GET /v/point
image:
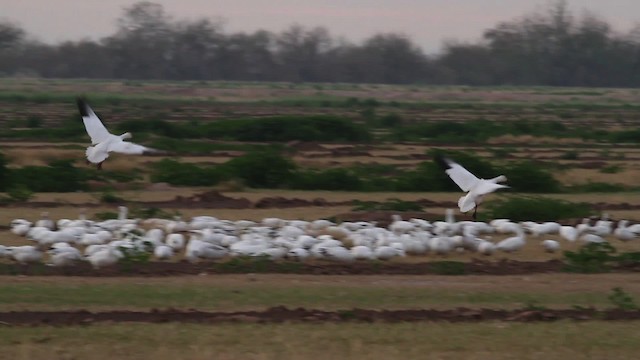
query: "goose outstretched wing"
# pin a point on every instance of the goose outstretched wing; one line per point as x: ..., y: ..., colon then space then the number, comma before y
x: 92, y: 123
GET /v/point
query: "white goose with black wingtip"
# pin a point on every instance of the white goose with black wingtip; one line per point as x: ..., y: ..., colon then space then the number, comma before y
x: 102, y: 141
x: 475, y: 187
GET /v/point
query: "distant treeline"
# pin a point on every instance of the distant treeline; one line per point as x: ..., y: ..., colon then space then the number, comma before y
x: 549, y: 48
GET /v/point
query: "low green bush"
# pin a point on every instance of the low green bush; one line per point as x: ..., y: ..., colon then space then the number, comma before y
x: 261, y: 169
x: 621, y: 299
x: 591, y: 258
x: 19, y: 193
x: 182, y: 146
x: 110, y: 197
x: 448, y: 267
x: 530, y: 178
x: 389, y: 205
x: 480, y: 130
x: 256, y: 264
x: 597, y: 187
x: 329, y: 179
x: 611, y: 169
x: 532, y: 208
x: 58, y: 176
x: 277, y: 128
x: 177, y: 173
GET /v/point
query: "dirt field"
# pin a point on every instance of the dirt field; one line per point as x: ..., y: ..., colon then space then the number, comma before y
x: 507, y: 306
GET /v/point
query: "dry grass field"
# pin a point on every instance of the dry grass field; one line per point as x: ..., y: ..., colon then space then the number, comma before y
x: 437, y: 340
x: 479, y: 341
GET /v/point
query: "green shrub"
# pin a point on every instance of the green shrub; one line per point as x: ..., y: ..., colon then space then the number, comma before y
x: 134, y: 255
x: 34, y: 121
x: 4, y: 173
x: 534, y: 305
x: 182, y: 146
x: 529, y: 208
x: 591, y: 258
x: 330, y: 179
x: 58, y: 176
x: 528, y: 177
x: 264, y: 169
x: 256, y: 264
x: 597, y: 187
x: 480, y: 130
x: 19, y: 193
x: 183, y: 174
x: 105, y: 215
x: 276, y: 128
x: 151, y: 212
x: 621, y: 299
x: 390, y: 121
x: 611, y: 169
x: 448, y: 267
x: 109, y: 197
x: 390, y: 205
x: 570, y: 155
x: 625, y: 136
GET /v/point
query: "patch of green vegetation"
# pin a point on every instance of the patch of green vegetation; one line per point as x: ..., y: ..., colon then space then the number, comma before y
x: 389, y: 205
x: 183, y: 146
x: 34, y: 121
x: 256, y: 264
x: 329, y: 179
x: 534, y: 305
x: 135, y: 255
x: 597, y: 187
x: 19, y: 193
x: 110, y: 197
x: 177, y: 173
x: 622, y: 300
x: 534, y: 208
x: 591, y: 258
x: 276, y: 128
x: 60, y: 175
x: 261, y: 169
x: 105, y: 215
x: 572, y: 92
x: 527, y: 176
x: 448, y: 267
x: 152, y: 212
x: 570, y: 155
x: 611, y: 169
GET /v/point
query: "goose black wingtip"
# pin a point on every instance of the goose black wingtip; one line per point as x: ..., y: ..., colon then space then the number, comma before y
x: 442, y: 162
x: 82, y: 107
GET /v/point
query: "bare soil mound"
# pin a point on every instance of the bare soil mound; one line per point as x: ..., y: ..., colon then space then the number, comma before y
x: 248, y: 265
x: 282, y: 314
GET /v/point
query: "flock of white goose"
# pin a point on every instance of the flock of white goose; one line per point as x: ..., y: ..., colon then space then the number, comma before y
x: 103, y: 243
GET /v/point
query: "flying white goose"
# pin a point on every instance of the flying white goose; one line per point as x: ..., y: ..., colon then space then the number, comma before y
x: 102, y: 141
x: 474, y: 187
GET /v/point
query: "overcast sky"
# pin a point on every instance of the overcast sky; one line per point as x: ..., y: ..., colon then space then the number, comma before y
x: 427, y: 22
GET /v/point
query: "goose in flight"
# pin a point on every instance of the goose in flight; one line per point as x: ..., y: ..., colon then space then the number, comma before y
x: 102, y: 141
x: 474, y: 187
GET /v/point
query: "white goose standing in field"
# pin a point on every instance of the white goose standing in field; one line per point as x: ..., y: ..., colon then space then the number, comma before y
x: 102, y: 141
x: 513, y: 243
x: 475, y: 187
x: 622, y: 232
x: 45, y: 221
x: 550, y: 245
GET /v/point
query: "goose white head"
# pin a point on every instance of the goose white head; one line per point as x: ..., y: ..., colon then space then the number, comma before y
x: 449, y: 217
x: 126, y: 135
x: 122, y: 212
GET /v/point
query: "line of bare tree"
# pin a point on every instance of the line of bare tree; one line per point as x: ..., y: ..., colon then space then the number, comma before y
x: 552, y: 47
